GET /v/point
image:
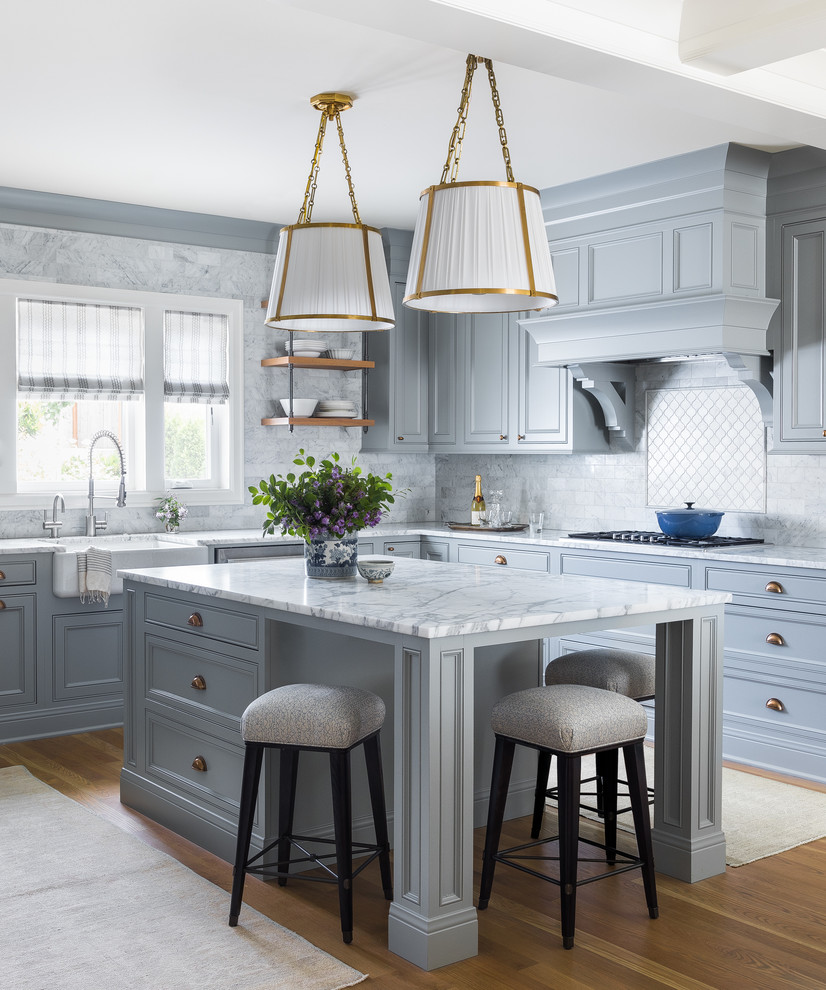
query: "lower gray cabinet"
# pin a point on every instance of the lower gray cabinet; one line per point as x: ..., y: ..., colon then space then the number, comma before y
x: 87, y: 655
x: 17, y: 636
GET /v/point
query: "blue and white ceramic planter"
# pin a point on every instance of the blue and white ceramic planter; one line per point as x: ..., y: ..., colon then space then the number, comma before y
x: 331, y: 559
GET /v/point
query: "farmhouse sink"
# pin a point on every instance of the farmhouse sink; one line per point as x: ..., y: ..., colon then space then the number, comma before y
x: 128, y: 552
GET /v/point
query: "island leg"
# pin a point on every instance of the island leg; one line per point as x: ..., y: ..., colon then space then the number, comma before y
x: 689, y: 843
x: 432, y: 919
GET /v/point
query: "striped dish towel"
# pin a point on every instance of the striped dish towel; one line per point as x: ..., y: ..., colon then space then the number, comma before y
x: 94, y: 575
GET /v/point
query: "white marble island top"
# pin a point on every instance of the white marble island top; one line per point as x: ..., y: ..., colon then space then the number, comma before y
x: 426, y: 598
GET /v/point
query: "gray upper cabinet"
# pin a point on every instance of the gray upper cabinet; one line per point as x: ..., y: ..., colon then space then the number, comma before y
x: 397, y: 388
x: 800, y: 355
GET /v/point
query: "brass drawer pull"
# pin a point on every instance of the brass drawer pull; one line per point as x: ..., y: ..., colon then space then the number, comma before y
x: 2, y: 604
x: 775, y: 586
x: 776, y: 705
x: 198, y: 683
x: 195, y: 620
x: 199, y: 764
x: 520, y: 436
x: 500, y: 558
x: 400, y: 438
x: 775, y: 639
x: 2, y: 576
x: 502, y: 436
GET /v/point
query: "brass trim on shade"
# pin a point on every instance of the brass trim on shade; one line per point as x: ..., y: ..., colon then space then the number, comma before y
x: 331, y: 316
x: 368, y: 271
x: 425, y: 244
x: 526, y: 240
x: 477, y: 182
x: 479, y: 292
x: 358, y: 226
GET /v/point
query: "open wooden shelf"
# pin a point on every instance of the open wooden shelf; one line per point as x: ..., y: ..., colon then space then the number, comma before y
x: 313, y: 362
x: 315, y: 421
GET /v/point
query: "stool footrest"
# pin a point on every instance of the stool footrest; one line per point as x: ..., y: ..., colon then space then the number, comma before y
x: 510, y: 858
x: 270, y: 871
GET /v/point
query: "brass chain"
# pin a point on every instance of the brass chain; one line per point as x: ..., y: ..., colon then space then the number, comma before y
x: 454, y: 148
x: 454, y: 152
x: 500, y: 120
x: 306, y: 211
x: 347, y: 168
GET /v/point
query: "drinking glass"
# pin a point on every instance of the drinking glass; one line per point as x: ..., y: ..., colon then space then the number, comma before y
x: 535, y: 520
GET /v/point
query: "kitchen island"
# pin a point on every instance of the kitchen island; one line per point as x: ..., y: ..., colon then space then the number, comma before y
x: 441, y: 643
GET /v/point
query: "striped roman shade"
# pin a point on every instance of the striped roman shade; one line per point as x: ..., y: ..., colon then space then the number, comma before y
x: 70, y: 350
x: 195, y: 359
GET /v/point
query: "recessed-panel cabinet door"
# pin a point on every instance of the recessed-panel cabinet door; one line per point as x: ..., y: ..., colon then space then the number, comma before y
x: 17, y: 648
x: 484, y: 360
x: 545, y: 398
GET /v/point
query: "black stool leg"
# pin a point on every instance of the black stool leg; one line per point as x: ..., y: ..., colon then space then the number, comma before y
x: 287, y: 780
x: 253, y: 756
x: 543, y: 768
x: 637, y: 786
x: 607, y: 762
x: 375, y: 778
x: 343, y: 825
x: 500, y: 778
x: 568, y: 769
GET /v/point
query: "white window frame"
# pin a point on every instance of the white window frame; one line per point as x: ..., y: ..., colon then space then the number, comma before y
x: 229, y: 488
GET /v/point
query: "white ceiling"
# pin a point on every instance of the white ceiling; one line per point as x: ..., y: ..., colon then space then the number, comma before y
x: 203, y: 105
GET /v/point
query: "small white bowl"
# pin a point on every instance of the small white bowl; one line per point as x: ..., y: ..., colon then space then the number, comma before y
x: 301, y: 407
x: 375, y: 571
x: 342, y: 353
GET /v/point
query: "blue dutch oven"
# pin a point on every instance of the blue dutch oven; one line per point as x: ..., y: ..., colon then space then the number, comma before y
x: 689, y: 522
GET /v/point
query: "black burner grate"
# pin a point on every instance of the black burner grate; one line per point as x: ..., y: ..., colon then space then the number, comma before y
x: 655, y: 539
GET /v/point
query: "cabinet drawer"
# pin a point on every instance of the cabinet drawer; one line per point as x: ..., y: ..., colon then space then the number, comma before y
x: 205, y: 683
x: 651, y: 572
x: 173, y: 747
x: 780, y: 635
x: 203, y: 621
x: 402, y: 548
x: 774, y: 585
x: 16, y: 572
x: 526, y: 560
x: 800, y: 707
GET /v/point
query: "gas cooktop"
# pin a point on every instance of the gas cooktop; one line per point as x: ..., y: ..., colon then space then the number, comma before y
x: 661, y: 540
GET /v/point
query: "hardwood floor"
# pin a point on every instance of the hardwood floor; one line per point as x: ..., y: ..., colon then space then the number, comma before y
x: 761, y: 926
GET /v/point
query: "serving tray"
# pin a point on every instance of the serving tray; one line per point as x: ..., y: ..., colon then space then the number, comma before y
x: 510, y: 528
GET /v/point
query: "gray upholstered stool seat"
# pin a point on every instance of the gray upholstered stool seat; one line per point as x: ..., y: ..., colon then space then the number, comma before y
x: 623, y: 671
x: 570, y: 721
x: 315, y: 716
x: 626, y: 672
x: 326, y: 719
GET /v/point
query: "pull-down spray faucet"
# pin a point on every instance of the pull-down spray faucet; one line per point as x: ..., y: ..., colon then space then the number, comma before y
x: 92, y: 524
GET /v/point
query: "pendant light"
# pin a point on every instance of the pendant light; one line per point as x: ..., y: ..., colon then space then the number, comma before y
x: 479, y: 247
x: 330, y: 276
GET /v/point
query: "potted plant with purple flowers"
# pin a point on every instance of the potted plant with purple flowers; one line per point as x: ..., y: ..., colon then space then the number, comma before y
x: 326, y: 505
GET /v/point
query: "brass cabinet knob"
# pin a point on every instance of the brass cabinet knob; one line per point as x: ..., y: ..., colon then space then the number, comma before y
x: 400, y: 438
x: 520, y: 436
x: 824, y: 433
x: 195, y: 620
x: 776, y: 705
x: 775, y: 586
x: 775, y: 639
x: 500, y: 558
x: 198, y: 683
x: 2, y: 576
x: 199, y: 764
x: 502, y: 437
x: 390, y: 550
x: 2, y: 604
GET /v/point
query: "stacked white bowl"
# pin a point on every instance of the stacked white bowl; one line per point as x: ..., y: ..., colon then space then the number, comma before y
x: 306, y: 347
x: 300, y: 407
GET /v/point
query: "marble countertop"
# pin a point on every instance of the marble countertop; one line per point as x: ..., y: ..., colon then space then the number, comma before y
x: 427, y: 598
x: 766, y: 554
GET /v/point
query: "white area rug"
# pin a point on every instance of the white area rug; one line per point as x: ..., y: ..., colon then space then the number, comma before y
x: 761, y: 817
x: 87, y: 906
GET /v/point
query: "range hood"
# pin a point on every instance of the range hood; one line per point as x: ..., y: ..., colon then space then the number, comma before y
x: 664, y: 260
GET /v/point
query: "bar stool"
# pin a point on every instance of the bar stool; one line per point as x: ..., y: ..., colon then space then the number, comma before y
x: 325, y: 719
x: 570, y: 721
x: 625, y: 672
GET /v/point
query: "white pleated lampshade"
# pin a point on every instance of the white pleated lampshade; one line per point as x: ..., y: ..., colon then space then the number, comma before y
x: 480, y: 247
x: 330, y: 277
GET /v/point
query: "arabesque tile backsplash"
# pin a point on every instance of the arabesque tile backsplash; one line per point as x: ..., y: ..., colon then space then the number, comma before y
x: 577, y: 492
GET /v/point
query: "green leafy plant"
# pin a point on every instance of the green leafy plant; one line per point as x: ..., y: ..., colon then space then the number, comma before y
x: 325, y: 501
x: 171, y: 510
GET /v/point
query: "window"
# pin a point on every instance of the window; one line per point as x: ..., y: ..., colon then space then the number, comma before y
x: 148, y: 367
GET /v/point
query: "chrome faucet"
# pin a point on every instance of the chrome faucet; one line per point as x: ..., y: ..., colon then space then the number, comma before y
x: 93, y: 525
x: 55, y: 523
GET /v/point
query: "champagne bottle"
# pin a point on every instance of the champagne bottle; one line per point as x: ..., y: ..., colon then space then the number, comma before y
x: 477, y: 505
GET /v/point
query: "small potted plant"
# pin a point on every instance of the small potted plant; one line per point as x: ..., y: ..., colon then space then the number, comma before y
x: 326, y: 505
x: 171, y: 510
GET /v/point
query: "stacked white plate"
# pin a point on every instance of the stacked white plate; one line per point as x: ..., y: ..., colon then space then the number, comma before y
x: 336, y: 408
x: 306, y: 347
